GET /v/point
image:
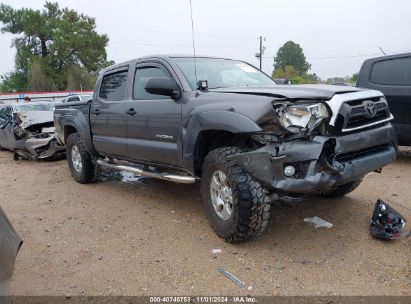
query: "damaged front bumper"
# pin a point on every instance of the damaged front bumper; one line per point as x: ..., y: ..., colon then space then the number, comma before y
x: 321, y: 163
x: 39, y: 148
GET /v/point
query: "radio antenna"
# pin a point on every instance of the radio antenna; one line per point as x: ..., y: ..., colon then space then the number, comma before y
x: 194, y: 46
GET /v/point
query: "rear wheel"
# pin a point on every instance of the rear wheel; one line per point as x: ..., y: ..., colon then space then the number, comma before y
x: 343, y: 189
x: 234, y: 202
x: 81, y: 162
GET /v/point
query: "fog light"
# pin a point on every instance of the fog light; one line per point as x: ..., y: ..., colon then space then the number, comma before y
x: 289, y: 171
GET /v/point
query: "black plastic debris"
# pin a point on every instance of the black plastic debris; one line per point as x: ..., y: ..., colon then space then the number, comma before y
x: 386, y: 223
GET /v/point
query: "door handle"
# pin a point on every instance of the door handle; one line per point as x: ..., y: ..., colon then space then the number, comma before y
x: 95, y: 112
x: 131, y: 112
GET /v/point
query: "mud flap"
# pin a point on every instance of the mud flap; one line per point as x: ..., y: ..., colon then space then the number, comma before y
x: 260, y: 164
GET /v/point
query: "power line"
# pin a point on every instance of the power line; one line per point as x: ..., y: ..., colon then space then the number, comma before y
x: 180, y: 45
x: 173, y: 32
x: 346, y: 56
x: 350, y: 56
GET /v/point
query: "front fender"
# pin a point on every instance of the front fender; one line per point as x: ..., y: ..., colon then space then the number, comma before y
x: 214, y: 120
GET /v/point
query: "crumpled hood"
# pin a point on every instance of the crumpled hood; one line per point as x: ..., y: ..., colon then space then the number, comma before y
x: 305, y: 91
x: 32, y: 118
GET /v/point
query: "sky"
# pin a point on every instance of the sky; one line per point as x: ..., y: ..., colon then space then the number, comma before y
x: 336, y: 35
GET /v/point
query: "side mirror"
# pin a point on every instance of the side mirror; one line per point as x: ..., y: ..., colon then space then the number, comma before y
x: 163, y: 86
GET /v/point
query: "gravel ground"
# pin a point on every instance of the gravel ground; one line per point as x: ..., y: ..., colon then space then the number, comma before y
x: 150, y: 237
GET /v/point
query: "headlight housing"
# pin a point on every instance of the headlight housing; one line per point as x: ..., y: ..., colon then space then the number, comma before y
x: 296, y: 117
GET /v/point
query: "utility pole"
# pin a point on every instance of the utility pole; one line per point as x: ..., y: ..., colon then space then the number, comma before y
x: 260, y: 54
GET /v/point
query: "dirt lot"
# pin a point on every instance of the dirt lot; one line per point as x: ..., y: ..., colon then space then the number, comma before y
x: 150, y: 237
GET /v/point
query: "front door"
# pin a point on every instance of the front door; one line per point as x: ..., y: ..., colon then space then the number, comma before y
x: 154, y: 121
x: 108, y: 115
x: 7, y: 138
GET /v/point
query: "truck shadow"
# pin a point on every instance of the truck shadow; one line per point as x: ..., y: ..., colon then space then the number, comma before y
x: 404, y: 155
x: 286, y: 224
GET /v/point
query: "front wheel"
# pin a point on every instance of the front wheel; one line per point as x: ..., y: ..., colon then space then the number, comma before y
x: 343, y: 189
x: 81, y: 162
x: 234, y: 201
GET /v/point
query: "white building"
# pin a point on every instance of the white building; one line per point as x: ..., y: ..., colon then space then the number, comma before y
x: 52, y: 96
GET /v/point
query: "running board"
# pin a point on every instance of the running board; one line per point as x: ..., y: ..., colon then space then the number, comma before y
x: 182, y: 179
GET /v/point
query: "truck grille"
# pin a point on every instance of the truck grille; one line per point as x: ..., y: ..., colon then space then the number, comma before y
x: 358, y: 114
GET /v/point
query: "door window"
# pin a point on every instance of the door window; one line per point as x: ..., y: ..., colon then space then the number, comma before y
x: 141, y: 77
x: 392, y: 72
x: 113, y: 86
x: 5, y: 113
x: 76, y: 98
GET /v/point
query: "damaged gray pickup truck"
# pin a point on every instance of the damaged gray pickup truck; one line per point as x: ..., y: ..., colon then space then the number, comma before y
x: 249, y: 140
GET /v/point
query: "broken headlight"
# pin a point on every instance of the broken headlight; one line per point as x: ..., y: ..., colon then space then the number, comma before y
x: 297, y: 117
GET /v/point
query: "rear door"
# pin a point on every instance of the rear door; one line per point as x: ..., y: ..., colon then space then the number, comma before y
x: 154, y: 121
x: 393, y: 78
x: 107, y: 114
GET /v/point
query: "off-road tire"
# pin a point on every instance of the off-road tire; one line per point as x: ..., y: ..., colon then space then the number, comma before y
x: 251, y: 209
x: 342, y: 190
x: 88, y: 173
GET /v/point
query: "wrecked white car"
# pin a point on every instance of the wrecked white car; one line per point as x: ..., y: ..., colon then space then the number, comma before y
x: 27, y: 129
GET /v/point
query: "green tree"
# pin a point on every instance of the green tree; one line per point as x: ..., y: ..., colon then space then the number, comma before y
x: 354, y: 78
x: 291, y: 54
x: 37, y: 79
x: 288, y: 72
x: 291, y: 64
x: 78, y: 78
x: 51, y: 42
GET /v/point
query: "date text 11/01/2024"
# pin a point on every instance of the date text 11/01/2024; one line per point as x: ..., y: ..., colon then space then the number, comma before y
x: 203, y: 299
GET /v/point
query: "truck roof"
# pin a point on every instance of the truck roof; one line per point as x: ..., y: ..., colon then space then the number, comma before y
x: 388, y: 57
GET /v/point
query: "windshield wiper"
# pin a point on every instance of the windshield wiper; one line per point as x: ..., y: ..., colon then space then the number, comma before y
x: 217, y: 88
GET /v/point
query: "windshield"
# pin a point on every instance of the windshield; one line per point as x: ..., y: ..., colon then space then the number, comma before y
x: 222, y: 73
x: 34, y: 107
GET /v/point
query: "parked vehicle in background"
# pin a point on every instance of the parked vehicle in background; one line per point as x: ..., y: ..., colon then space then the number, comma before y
x: 249, y: 140
x: 27, y: 129
x: 343, y: 84
x: 282, y: 81
x: 10, y: 244
x: 78, y: 97
x: 392, y: 76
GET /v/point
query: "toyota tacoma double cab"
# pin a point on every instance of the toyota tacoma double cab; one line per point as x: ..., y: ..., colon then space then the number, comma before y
x: 250, y: 141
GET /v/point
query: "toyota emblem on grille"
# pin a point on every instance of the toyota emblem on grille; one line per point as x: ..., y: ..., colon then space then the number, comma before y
x: 370, y: 108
